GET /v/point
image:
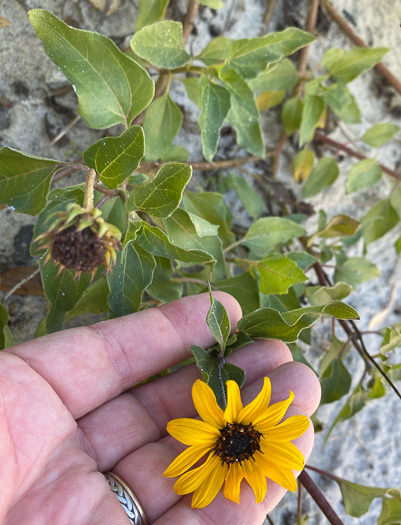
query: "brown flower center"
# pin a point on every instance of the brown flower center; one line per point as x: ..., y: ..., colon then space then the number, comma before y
x: 237, y: 443
x: 82, y: 251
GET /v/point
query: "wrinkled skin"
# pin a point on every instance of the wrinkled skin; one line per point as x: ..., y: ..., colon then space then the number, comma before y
x: 68, y: 412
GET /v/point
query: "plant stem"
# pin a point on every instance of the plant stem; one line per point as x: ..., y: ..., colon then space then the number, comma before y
x: 310, y: 28
x: 89, y: 188
x: 357, y: 40
x: 267, y: 17
x: 319, y: 498
x: 189, y: 19
x: 320, y: 137
x: 323, y: 472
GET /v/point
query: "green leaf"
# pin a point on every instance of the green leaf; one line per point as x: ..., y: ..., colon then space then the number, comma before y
x: 63, y: 291
x: 6, y: 339
x: 268, y: 232
x: 162, y: 122
x: 249, y: 133
x: 318, y: 295
x: 391, y: 340
x: 342, y: 102
x: 213, y: 4
x: 335, y: 382
x: 304, y: 260
x: 175, y: 153
x: 244, y: 288
x: 357, y: 498
x: 162, y: 288
x: 156, y: 242
x: 379, y: 220
x: 215, y: 104
x: 282, y: 77
x: 115, y: 158
x: 150, y: 11
x: 312, y: 114
x: 363, y: 174
x: 239, y: 90
x: 277, y: 274
x: 129, y: 277
x: 269, y: 99
x: 218, y: 50
x: 111, y: 87
x: 356, y: 270
x: 211, y: 207
x: 93, y: 300
x: 183, y: 233
x: 291, y: 115
x: 161, y: 44
x: 252, y: 201
x: 379, y: 134
x: 250, y: 56
x: 344, y: 66
x: 338, y: 226
x: 25, y: 180
x: 391, y: 509
x: 208, y: 364
x: 323, y: 174
x: 337, y: 348
x: 267, y: 323
x: 218, y: 321
x: 203, y: 228
x: 162, y: 195
x: 303, y: 164
x: 193, y: 88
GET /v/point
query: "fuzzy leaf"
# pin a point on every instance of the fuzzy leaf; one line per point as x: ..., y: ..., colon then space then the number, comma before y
x: 356, y: 270
x: 116, y: 158
x: 218, y: 321
x: 244, y: 288
x: 247, y: 127
x: 323, y: 174
x: 268, y: 232
x: 156, y: 242
x: 162, y: 195
x: 162, y: 122
x: 379, y: 220
x: 379, y: 134
x: 25, y: 180
x: 357, y: 498
x: 268, y: 323
x: 93, y: 300
x: 239, y: 90
x: 215, y: 104
x: 318, y: 295
x: 345, y: 66
x: 342, y: 102
x: 161, y: 44
x: 213, y: 4
x: 303, y: 164
x: 363, y: 174
x: 312, y: 114
x: 252, y: 201
x: 335, y: 382
x: 338, y: 226
x: 277, y: 274
x: 291, y: 115
x: 111, y: 88
x: 130, y: 276
x: 269, y: 99
x: 282, y: 77
x: 150, y: 11
x: 162, y: 287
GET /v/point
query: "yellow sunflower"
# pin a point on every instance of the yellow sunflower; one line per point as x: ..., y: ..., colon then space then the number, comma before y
x: 241, y: 442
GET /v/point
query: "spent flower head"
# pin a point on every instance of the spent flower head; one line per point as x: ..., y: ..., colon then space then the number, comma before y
x: 240, y: 442
x: 80, y: 239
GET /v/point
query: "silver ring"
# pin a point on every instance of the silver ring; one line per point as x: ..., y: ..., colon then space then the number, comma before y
x: 127, y: 498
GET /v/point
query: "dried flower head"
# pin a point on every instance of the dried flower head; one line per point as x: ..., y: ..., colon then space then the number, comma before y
x: 80, y: 240
x: 240, y: 442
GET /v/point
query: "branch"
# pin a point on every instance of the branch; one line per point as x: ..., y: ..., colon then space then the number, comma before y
x: 267, y: 17
x: 189, y: 19
x: 320, y: 137
x: 319, y: 498
x: 310, y: 28
x: 357, y: 40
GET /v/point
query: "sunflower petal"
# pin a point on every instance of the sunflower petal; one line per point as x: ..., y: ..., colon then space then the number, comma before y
x: 256, y: 479
x: 290, y: 429
x: 185, y: 461
x: 234, y: 403
x: 210, y: 487
x: 233, y: 481
x: 191, y: 480
x: 273, y: 415
x: 206, y: 404
x: 258, y: 406
x: 283, y: 455
x: 281, y: 475
x: 193, y: 432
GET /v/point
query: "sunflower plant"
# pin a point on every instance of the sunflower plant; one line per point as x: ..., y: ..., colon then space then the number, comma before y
x: 145, y: 225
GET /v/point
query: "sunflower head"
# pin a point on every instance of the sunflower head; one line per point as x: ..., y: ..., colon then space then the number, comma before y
x: 80, y: 240
x: 242, y: 442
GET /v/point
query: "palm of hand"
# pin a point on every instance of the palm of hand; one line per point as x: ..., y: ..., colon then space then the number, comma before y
x: 63, y: 419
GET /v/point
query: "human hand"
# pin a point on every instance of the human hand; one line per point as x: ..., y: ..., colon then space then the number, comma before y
x: 68, y: 412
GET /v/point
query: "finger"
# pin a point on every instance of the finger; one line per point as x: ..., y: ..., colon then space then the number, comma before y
x: 143, y: 468
x: 140, y: 416
x: 90, y: 365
